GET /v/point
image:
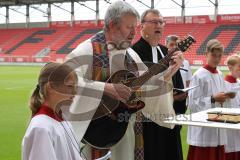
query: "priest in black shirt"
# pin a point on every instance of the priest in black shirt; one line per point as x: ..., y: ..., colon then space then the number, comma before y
x: 159, y: 143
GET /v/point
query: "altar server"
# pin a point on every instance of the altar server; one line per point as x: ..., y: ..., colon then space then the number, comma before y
x: 48, y: 136
x: 207, y: 143
x: 232, y: 147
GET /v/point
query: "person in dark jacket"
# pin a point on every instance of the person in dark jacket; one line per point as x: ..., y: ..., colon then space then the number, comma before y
x: 159, y: 143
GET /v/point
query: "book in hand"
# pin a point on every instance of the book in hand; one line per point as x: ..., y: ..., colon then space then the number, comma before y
x: 224, y: 117
x: 232, y: 93
x: 185, y: 89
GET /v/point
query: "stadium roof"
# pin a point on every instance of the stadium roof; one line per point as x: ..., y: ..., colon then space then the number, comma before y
x: 25, y: 11
x: 25, y: 2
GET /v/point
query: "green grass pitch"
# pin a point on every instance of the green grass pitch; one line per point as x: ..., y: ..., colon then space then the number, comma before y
x: 16, y: 85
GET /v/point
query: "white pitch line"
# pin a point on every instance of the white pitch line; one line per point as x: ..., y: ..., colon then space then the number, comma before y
x: 16, y: 88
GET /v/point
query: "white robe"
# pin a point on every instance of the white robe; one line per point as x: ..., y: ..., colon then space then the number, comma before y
x: 47, y: 139
x: 233, y: 136
x: 200, y: 100
x: 125, y: 148
x: 158, y: 107
x: 186, y: 75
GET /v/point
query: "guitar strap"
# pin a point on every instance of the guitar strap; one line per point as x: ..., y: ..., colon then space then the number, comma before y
x: 130, y: 64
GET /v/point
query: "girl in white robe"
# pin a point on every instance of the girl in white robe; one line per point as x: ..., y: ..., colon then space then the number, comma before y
x: 207, y: 143
x: 48, y: 136
x: 232, y: 147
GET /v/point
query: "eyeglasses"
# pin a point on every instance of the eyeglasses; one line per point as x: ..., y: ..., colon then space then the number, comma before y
x: 122, y: 45
x: 156, y: 22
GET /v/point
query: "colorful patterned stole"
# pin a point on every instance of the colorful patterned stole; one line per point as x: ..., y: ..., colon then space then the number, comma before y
x: 139, y: 142
x: 101, y: 66
x: 100, y: 72
x: 138, y: 128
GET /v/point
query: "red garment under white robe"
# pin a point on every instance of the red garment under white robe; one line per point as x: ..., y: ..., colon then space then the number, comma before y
x: 206, y: 143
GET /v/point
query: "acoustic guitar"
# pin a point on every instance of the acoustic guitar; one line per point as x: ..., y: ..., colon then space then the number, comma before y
x: 110, y: 120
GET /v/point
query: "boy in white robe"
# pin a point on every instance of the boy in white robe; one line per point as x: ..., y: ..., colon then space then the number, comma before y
x: 232, y: 147
x: 207, y: 143
x: 48, y: 136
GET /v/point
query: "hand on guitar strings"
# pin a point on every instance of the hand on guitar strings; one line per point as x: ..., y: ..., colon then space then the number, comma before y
x: 174, y: 65
x: 118, y: 91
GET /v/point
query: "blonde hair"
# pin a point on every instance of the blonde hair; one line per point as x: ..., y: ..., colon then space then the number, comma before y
x: 51, y: 72
x: 233, y: 60
x: 213, y: 45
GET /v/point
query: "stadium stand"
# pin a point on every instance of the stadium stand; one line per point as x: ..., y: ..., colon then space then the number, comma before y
x: 54, y: 42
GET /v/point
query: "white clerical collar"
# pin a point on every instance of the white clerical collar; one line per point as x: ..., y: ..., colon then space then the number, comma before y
x: 160, y: 51
x: 154, y: 55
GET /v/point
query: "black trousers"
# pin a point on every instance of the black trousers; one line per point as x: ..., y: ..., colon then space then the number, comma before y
x: 161, y: 143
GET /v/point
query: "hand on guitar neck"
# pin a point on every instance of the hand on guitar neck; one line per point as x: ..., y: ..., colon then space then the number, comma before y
x: 175, y: 64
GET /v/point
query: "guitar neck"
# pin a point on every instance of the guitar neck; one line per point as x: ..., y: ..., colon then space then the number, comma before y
x: 155, y: 69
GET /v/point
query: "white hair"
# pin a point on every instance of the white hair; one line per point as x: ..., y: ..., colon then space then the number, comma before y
x: 116, y: 11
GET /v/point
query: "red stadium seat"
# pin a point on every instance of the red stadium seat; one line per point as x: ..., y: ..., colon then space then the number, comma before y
x: 23, y: 43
